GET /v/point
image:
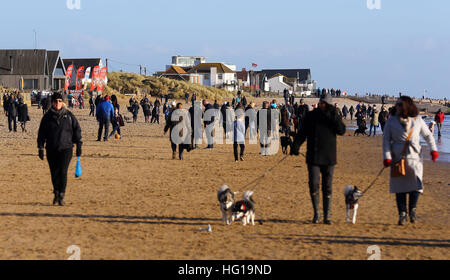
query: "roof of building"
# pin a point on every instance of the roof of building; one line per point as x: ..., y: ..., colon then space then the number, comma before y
x: 175, y: 70
x: 78, y: 62
x: 206, y: 68
x: 26, y: 62
x: 302, y: 74
x: 53, y: 60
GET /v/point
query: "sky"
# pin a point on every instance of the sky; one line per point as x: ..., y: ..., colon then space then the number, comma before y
x: 402, y: 47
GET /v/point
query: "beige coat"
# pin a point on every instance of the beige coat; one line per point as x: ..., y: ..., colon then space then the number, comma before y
x: 394, y: 139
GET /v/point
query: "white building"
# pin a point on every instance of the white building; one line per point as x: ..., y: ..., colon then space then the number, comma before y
x: 214, y: 75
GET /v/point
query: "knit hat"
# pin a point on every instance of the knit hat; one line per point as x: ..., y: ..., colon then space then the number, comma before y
x: 107, y: 98
x: 327, y: 99
x: 57, y: 96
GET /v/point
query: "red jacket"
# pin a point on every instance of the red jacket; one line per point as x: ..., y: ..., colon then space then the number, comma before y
x: 439, y: 117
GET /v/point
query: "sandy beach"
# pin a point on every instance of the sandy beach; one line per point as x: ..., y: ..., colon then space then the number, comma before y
x: 134, y: 202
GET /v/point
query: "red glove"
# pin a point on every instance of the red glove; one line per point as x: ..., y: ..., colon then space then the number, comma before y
x: 387, y: 162
x: 434, y: 156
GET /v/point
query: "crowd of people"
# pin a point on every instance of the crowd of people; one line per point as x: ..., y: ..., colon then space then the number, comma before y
x: 319, y: 126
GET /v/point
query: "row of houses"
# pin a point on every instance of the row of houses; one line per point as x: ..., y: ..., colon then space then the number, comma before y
x: 224, y: 75
x: 38, y: 69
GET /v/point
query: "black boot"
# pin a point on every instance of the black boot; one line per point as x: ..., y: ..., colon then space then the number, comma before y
x: 56, y: 198
x: 413, y: 215
x: 327, y: 209
x: 61, y: 199
x: 402, y: 219
x: 315, y: 199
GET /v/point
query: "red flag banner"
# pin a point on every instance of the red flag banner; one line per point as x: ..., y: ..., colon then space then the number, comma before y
x: 95, y: 73
x: 80, y: 76
x: 254, y: 65
x: 102, y: 79
x: 68, y: 77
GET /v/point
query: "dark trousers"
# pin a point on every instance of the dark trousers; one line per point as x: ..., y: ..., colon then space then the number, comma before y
x: 11, y: 121
x: 401, y: 201
x: 59, y: 164
x: 180, y: 149
x: 91, y: 113
x: 439, y: 126
x: 235, y: 148
x: 105, y: 124
x: 327, y: 172
x: 155, y: 118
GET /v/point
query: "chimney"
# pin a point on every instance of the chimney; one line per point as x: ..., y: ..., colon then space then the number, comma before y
x: 11, y: 64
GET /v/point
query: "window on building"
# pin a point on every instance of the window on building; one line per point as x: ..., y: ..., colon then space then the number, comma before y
x: 206, y: 77
x: 30, y: 84
x: 220, y: 76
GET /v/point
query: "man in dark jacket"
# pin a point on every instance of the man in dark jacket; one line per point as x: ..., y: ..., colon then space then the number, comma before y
x: 301, y: 112
x: 320, y: 129
x: 12, y: 113
x: 104, y: 114
x: 58, y: 132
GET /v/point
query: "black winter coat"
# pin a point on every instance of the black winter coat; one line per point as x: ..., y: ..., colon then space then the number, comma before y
x: 23, y: 112
x: 59, y: 131
x: 320, y: 129
x: 12, y: 108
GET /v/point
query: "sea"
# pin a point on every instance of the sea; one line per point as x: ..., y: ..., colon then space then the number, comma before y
x: 443, y: 142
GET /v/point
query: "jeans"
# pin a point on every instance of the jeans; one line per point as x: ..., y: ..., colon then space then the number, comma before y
x: 103, y: 123
x: 401, y: 201
x: 235, y: 149
x: 58, y: 162
x: 115, y: 129
x: 374, y: 130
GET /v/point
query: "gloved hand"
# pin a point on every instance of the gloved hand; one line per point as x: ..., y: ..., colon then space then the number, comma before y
x: 434, y: 156
x: 387, y: 162
x: 79, y: 150
x: 41, y: 154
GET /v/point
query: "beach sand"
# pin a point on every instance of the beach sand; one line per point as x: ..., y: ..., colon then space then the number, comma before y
x: 134, y: 202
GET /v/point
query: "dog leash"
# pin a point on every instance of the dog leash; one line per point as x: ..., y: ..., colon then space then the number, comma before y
x: 373, y: 183
x: 268, y: 171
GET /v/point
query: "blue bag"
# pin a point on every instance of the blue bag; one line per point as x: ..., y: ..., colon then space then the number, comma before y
x: 78, y: 169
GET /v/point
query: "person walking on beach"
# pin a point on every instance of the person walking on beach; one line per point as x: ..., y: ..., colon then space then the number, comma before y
x: 383, y: 117
x: 352, y: 112
x: 23, y: 114
x: 91, y: 106
x: 58, y: 132
x: 104, y: 114
x: 171, y: 124
x: 135, y: 110
x: 374, y: 123
x: 12, y: 113
x: 239, y: 135
x: 321, y: 127
x: 439, y: 119
x: 401, y: 140
x: 344, y: 111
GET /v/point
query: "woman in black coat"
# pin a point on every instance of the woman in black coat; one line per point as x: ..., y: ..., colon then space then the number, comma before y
x: 23, y: 114
x: 58, y: 132
x: 320, y: 129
